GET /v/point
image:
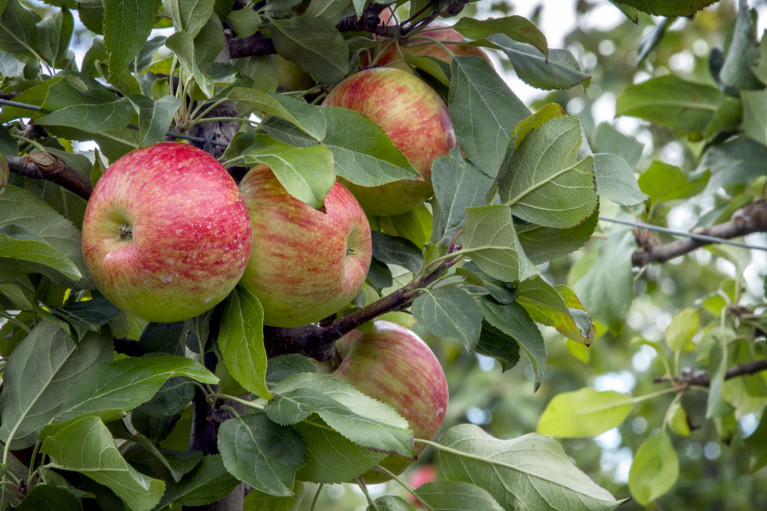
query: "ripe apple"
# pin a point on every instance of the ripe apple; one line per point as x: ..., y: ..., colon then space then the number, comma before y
x: 392, y: 364
x: 419, y: 46
x: 306, y: 264
x: 416, y: 120
x: 166, y: 233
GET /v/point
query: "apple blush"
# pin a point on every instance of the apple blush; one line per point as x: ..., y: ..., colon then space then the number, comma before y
x: 166, y: 233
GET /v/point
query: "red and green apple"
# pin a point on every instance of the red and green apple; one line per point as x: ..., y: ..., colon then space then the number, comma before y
x: 306, y: 264
x: 392, y: 364
x: 413, y: 116
x: 166, y: 233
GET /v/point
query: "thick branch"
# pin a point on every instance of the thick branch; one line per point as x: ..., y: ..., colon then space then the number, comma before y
x: 318, y: 340
x: 701, y: 377
x: 257, y: 44
x: 746, y: 220
x: 41, y: 165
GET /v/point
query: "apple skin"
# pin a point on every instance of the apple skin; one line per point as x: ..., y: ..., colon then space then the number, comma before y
x: 394, y: 365
x: 394, y: 54
x: 413, y: 116
x: 306, y: 264
x: 166, y: 233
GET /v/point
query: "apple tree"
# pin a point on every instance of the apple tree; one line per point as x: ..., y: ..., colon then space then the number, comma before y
x: 504, y: 242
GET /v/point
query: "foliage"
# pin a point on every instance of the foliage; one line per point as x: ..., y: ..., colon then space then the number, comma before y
x: 101, y: 410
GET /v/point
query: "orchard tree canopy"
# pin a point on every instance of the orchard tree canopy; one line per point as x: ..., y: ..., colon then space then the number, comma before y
x: 264, y: 255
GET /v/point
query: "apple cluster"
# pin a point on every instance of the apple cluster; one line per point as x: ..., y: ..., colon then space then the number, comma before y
x: 168, y: 234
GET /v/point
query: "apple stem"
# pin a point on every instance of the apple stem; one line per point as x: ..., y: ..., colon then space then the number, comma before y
x: 126, y: 232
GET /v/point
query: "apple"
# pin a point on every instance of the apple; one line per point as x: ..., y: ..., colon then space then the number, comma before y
x: 413, y: 116
x: 395, y: 366
x: 166, y: 233
x: 306, y: 264
x: 418, y: 46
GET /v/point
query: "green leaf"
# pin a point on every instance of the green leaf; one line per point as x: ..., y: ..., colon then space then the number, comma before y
x: 679, y: 422
x: 285, y: 366
x: 307, y: 173
x: 457, y: 185
x: 88, y: 314
x: 542, y: 244
x: 755, y: 114
x: 490, y: 240
x: 663, y: 7
x: 528, y: 472
x: 395, y: 250
x: 308, y: 118
x: 87, y: 446
x: 359, y: 418
x: 607, y: 289
x: 208, y: 482
x: 546, y: 305
x: 245, y: 22
x: 127, y: 24
x: 513, y: 320
x: 182, y: 44
x: 455, y: 495
x: 670, y: 101
x: 654, y: 470
x: 616, y: 180
x: 259, y: 501
x: 154, y: 117
x: 484, y: 111
x: 584, y: 413
x: 449, y: 312
x: 738, y: 160
x: 38, y: 377
x: 53, y: 35
x: 18, y: 34
x: 493, y: 342
x: 189, y: 15
x: 241, y: 341
x: 414, y: 225
x: 683, y: 327
x: 362, y: 152
x: 330, y: 457
x: 120, y: 386
x: 314, y: 44
x: 545, y: 183
x: 742, y: 53
x: 45, y: 497
x: 261, y: 453
x: 89, y: 110
x: 38, y: 252
x: 608, y: 139
x: 514, y: 27
x: 663, y: 182
x: 557, y: 70
x: 391, y: 503
x: 716, y: 405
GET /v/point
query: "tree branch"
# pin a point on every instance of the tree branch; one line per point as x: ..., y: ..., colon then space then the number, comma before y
x: 318, y: 340
x: 701, y: 377
x: 41, y: 165
x: 746, y: 220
